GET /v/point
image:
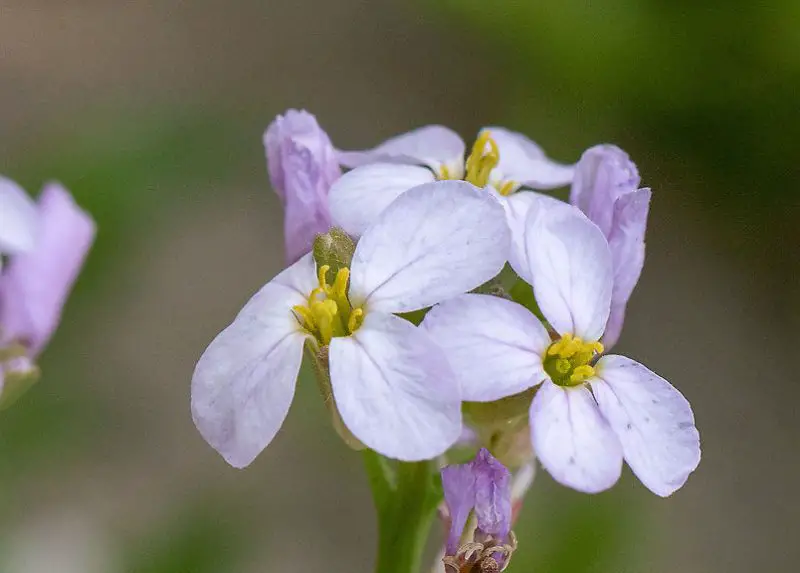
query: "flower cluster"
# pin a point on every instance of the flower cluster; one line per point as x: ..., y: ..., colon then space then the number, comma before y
x: 45, y: 244
x: 408, y: 292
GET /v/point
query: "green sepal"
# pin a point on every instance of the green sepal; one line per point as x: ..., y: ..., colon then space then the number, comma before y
x: 16, y: 383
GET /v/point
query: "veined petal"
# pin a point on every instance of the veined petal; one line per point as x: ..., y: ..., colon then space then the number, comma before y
x: 517, y: 205
x: 603, y: 174
x: 395, y: 390
x: 18, y: 218
x: 244, y: 382
x: 572, y: 440
x: 653, y: 421
x: 570, y: 263
x: 432, y: 145
x: 492, y: 495
x: 361, y: 195
x: 626, y: 242
x: 434, y: 242
x: 494, y: 345
x: 36, y: 283
x: 458, y: 483
x: 523, y: 161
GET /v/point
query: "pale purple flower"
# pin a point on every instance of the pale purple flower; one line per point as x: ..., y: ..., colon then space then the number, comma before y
x: 587, y: 414
x: 606, y: 189
x: 482, y: 485
x: 35, y: 284
x: 18, y: 219
x: 302, y: 167
x: 501, y: 160
x: 391, y: 383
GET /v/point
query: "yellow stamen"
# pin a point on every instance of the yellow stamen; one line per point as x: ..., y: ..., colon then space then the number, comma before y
x: 567, y: 360
x: 480, y: 162
x: 507, y: 188
x: 355, y: 321
x: 444, y: 173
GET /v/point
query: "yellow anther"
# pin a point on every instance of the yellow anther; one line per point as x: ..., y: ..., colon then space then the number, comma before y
x: 481, y: 162
x: 567, y: 360
x: 444, y: 173
x: 355, y: 321
x: 322, y: 275
x: 328, y: 313
x: 305, y: 316
x: 339, y: 288
x: 507, y: 188
x: 581, y: 374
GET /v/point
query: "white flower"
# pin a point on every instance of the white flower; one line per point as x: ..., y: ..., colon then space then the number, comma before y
x: 501, y: 160
x: 587, y: 414
x: 392, y: 385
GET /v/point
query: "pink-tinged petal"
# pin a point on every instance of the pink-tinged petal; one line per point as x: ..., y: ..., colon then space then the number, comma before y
x: 517, y: 205
x: 572, y: 440
x: 627, y: 254
x: 492, y: 495
x: 523, y: 161
x: 302, y: 166
x: 494, y: 345
x: 653, y: 421
x: 395, y: 390
x: 19, y: 220
x: 432, y: 243
x: 458, y: 483
x: 34, y: 287
x: 432, y: 145
x: 244, y: 382
x: 570, y: 264
x: 603, y: 174
x: 361, y: 195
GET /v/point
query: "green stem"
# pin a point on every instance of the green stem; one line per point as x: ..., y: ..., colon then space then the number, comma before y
x: 406, y: 497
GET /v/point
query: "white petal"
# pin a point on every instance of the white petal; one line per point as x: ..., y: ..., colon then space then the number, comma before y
x: 395, y: 389
x: 434, y: 242
x: 652, y: 420
x: 494, y: 345
x: 572, y: 440
x: 432, y: 145
x: 18, y: 218
x: 361, y: 195
x: 523, y: 161
x: 517, y: 205
x: 244, y: 382
x: 570, y: 263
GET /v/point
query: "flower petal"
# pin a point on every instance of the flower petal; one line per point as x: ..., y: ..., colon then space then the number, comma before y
x: 36, y: 283
x: 244, y: 382
x: 495, y: 345
x: 395, y: 389
x: 302, y: 167
x: 361, y: 195
x: 458, y: 482
x: 653, y: 421
x: 18, y: 218
x: 570, y: 264
x: 626, y: 242
x: 434, y: 242
x: 603, y: 174
x: 517, y: 205
x: 492, y: 495
x: 523, y: 161
x: 432, y: 145
x: 572, y: 440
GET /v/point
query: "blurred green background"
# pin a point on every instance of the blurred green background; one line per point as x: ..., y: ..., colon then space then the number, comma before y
x: 152, y: 114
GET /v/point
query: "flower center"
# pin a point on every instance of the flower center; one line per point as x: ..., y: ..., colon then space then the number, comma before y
x: 566, y: 361
x: 328, y: 312
x: 483, y: 158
